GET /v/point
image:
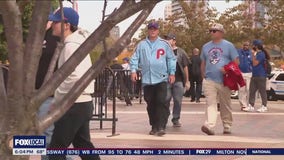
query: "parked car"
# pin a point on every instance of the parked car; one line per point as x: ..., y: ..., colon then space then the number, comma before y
x: 274, y: 86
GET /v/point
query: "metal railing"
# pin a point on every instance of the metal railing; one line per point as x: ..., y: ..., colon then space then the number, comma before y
x: 110, y: 85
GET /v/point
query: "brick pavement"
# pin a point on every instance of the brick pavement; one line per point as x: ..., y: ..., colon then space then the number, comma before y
x: 250, y: 130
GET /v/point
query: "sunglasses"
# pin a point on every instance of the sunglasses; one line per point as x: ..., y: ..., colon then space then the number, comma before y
x: 214, y: 31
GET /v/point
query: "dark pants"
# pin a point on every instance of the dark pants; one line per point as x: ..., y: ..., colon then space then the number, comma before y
x: 257, y: 84
x: 158, y: 111
x: 73, y: 128
x: 195, y: 87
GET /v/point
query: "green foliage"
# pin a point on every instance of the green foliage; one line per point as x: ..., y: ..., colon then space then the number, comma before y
x: 195, y: 34
x: 98, y: 50
x: 26, y: 7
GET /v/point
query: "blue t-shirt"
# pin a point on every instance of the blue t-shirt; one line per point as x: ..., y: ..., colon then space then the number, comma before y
x: 259, y: 70
x: 245, y: 57
x: 217, y: 56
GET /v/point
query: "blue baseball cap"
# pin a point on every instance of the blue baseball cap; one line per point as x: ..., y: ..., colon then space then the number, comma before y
x: 257, y: 42
x: 70, y: 16
x: 153, y: 25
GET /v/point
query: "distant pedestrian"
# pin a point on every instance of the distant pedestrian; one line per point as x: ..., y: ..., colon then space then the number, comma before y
x: 258, y: 79
x: 176, y: 90
x: 73, y: 127
x: 245, y: 57
x: 125, y: 64
x: 120, y: 81
x: 158, y: 65
x: 195, y: 76
x: 214, y: 56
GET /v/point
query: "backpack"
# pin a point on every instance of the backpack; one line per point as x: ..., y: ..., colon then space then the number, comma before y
x: 267, y: 67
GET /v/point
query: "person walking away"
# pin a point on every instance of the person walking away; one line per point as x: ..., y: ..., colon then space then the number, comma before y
x: 196, y: 79
x: 73, y: 127
x: 214, y: 56
x: 176, y: 90
x: 158, y: 65
x: 245, y: 57
x: 258, y: 79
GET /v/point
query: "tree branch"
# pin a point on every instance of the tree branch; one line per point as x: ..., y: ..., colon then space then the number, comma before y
x: 58, y: 49
x: 103, y: 18
x: 97, y: 36
x: 33, y: 47
x: 14, y: 35
x: 64, y: 104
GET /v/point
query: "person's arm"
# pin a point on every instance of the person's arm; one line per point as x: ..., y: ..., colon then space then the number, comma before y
x: 234, y: 54
x: 134, y: 64
x: 202, y: 69
x: 257, y: 58
x: 234, y: 57
x: 171, y: 63
x: 203, y: 64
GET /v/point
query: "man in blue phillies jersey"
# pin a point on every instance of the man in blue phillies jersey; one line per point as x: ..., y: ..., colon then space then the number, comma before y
x: 214, y: 56
x: 157, y: 62
x: 245, y: 57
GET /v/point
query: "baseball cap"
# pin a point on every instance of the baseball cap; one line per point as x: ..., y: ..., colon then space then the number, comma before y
x: 70, y: 16
x: 126, y: 59
x: 153, y: 25
x: 170, y: 36
x: 257, y: 42
x: 218, y: 27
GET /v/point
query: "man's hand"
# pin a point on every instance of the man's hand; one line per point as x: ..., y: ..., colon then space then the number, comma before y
x: 134, y: 77
x: 223, y: 70
x: 172, y: 79
x: 187, y: 85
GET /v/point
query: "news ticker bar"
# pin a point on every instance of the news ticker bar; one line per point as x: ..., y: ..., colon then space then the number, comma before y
x: 147, y: 151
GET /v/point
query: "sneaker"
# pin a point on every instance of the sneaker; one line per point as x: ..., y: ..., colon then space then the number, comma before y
x: 227, y: 130
x: 176, y: 124
x: 161, y: 132
x: 262, y: 109
x: 249, y: 109
x: 207, y: 130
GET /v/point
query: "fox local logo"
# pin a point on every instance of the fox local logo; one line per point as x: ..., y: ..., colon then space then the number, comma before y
x: 29, y: 142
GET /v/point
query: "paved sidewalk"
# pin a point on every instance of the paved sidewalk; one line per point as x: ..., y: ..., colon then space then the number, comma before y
x: 250, y: 130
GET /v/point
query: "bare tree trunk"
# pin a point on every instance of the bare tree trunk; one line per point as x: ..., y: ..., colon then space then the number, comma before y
x: 15, y: 100
x: 33, y: 47
x: 94, y: 71
x: 58, y: 49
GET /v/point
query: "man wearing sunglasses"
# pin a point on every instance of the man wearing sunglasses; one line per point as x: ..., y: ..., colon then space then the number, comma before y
x: 214, y: 56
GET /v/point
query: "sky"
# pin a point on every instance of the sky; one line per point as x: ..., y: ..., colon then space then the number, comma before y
x: 90, y: 12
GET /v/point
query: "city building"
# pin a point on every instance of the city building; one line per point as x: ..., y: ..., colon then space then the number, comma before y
x: 256, y: 11
x: 168, y: 11
x: 176, y: 9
